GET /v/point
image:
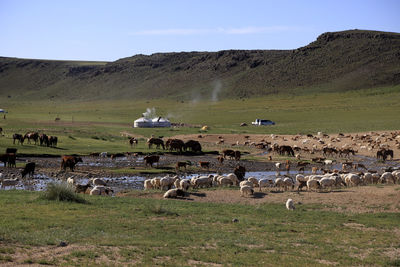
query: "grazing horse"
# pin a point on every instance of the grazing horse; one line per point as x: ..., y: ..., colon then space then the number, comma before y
x: 175, y: 144
x: 156, y: 141
x: 52, y: 141
x: 133, y: 141
x: 32, y: 135
x: 69, y: 161
x: 19, y: 137
x: 43, y: 140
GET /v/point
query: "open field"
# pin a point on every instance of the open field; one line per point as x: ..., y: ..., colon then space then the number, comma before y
x: 346, y: 227
x: 102, y: 126
x: 139, y: 230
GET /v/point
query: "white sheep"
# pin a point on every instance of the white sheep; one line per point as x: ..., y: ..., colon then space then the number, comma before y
x: 246, y: 190
x: 234, y: 178
x: 167, y: 182
x: 327, y: 182
x: 253, y: 180
x: 265, y: 182
x: 173, y: 193
x: 98, y: 181
x: 147, y: 184
x: 279, y: 183
x: 396, y: 175
x: 375, y: 178
x: 202, y: 181
x: 290, y: 204
x: 100, y: 190
x: 177, y: 182
x: 313, y: 184
x: 367, y: 177
x: 353, y: 179
x: 288, y: 183
x: 225, y: 181
x: 184, y: 184
x: 387, y: 177
x: 246, y: 183
x: 155, y: 182
x: 70, y: 181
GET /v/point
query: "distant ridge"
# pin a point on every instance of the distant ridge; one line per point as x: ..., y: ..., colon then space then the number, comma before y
x: 336, y: 61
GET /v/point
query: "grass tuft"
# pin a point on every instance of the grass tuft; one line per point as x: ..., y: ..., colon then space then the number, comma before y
x: 61, y: 192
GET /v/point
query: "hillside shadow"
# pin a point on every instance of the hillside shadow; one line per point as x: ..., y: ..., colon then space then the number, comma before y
x: 259, y: 195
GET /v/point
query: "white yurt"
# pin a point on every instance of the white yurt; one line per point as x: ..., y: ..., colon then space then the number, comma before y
x: 142, y: 123
x: 161, y: 122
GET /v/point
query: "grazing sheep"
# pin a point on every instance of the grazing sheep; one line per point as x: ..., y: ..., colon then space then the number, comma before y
x: 225, y: 181
x: 246, y: 190
x: 202, y: 181
x: 156, y: 182
x: 234, y: 178
x: 81, y: 188
x: 246, y: 183
x: 100, y: 190
x: 9, y: 182
x: 375, y: 178
x: 290, y: 204
x: 71, y: 181
x: 167, y: 182
x: 327, y: 182
x: 313, y: 184
x: 288, y: 183
x: 265, y: 182
x: 184, y: 184
x: 174, y: 193
x: 387, y: 177
x: 177, y: 182
x: 353, y: 179
x: 396, y: 175
x: 147, y: 184
x: 279, y: 183
x: 368, y: 178
x: 98, y: 181
x: 253, y: 180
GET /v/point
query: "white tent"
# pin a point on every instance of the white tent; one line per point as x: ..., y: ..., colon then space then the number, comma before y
x: 143, y: 122
x: 161, y: 122
x: 3, y: 111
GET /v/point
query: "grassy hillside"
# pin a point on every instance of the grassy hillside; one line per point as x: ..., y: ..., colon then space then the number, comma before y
x: 339, y: 61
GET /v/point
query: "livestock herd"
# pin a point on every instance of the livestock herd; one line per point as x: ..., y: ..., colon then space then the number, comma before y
x: 316, y: 156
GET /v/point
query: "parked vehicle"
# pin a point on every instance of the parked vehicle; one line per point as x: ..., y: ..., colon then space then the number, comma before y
x: 259, y: 122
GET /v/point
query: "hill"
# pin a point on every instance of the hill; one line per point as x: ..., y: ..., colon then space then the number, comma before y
x: 336, y: 61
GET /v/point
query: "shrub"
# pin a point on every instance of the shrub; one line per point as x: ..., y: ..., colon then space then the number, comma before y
x: 61, y: 192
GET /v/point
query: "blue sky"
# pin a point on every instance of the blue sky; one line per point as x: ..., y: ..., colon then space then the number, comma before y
x: 109, y: 30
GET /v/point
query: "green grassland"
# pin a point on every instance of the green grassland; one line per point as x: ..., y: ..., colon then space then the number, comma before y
x: 173, y: 233
x: 100, y: 125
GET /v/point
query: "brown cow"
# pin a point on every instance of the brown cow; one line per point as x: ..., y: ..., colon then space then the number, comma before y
x: 220, y: 160
x: 69, y: 161
x: 149, y: 160
x: 240, y: 172
x: 29, y: 169
x: 228, y: 152
x: 180, y: 164
x: 204, y: 164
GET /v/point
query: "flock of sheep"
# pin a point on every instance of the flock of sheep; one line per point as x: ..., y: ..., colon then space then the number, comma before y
x: 311, y: 182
